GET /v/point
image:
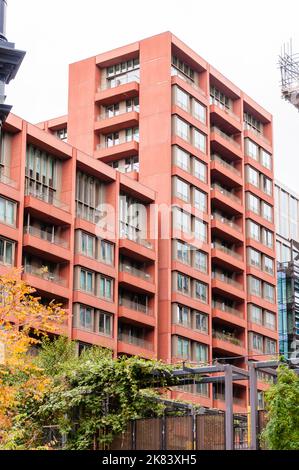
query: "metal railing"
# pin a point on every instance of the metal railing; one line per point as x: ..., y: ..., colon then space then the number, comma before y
x: 228, y: 337
x: 176, y: 73
x: 43, y: 235
x: 226, y: 308
x: 217, y: 158
x: 48, y: 198
x: 120, y: 80
x: 133, y: 305
x: 134, y: 234
x: 228, y: 280
x: 44, y: 274
x: 227, y: 221
x: 127, y: 268
x: 105, y: 114
x: 226, y: 250
x: 225, y: 136
x: 226, y: 193
x: 130, y: 339
x: 224, y: 108
x: 120, y: 141
x: 261, y: 136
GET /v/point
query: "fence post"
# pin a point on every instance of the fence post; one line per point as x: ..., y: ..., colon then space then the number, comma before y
x: 229, y: 417
x: 133, y: 434
x: 194, y: 429
x: 253, y: 405
x: 163, y: 433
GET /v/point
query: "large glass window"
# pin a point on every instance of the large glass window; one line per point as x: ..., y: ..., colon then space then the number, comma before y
x: 199, y: 111
x: 182, y: 189
x: 106, y: 287
x: 183, y: 252
x: 200, y: 229
x: 254, y: 258
x: 252, y: 176
x: 85, y: 320
x: 269, y: 292
x: 252, y: 149
x: 182, y: 315
x: 182, y: 158
x: 200, y: 261
x: 87, y: 244
x: 256, y: 314
x: 201, y: 291
x: 7, y: 249
x: 253, y: 230
x: 182, y: 129
x: 255, y: 286
x: 183, y: 348
x: 200, y: 200
x: 199, y: 140
x: 200, y: 170
x: 183, y: 283
x: 106, y: 251
x: 270, y: 346
x: 257, y: 342
x: 7, y: 211
x: 253, y: 203
x: 269, y: 320
x: 201, y: 322
x: 182, y: 99
x: 266, y: 159
x: 201, y: 353
x: 105, y: 323
x: 267, y: 211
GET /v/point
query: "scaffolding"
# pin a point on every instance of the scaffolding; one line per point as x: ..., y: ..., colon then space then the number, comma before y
x: 289, y: 72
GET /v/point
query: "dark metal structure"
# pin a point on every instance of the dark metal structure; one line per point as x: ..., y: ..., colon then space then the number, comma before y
x: 289, y: 71
x: 10, y: 61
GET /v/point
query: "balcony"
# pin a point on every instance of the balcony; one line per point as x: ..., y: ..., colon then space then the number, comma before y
x: 39, y: 241
x: 46, y: 203
x: 46, y: 282
x: 226, y: 286
x: 121, y: 148
x: 228, y: 314
x: 135, y: 340
x: 256, y: 136
x: 226, y: 228
x: 224, y: 117
x: 225, y: 171
x: 227, y: 257
x: 141, y: 280
x: 134, y: 245
x: 226, y: 199
x: 227, y: 342
x: 136, y: 306
x: 106, y: 123
x: 176, y: 73
x: 225, y: 144
x: 118, y: 90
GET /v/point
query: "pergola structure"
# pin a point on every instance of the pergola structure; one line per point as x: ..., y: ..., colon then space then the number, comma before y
x: 227, y: 374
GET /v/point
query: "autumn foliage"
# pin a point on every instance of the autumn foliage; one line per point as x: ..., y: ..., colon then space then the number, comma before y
x: 24, y: 321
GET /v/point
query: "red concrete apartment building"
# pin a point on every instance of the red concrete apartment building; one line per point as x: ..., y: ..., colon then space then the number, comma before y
x: 151, y: 122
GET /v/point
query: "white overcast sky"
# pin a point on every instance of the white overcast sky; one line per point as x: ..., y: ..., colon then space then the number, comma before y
x: 240, y: 38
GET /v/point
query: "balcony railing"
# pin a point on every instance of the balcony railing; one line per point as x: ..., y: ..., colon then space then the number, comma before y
x: 226, y: 221
x: 226, y: 193
x: 217, y: 158
x: 247, y: 127
x: 221, y: 397
x: 134, y: 234
x: 224, y: 108
x: 225, y: 136
x: 48, y: 198
x: 107, y: 115
x: 44, y: 274
x: 43, y: 235
x: 130, y: 339
x: 8, y: 181
x: 120, y: 141
x: 120, y: 80
x: 226, y: 250
x: 127, y: 268
x: 176, y: 73
x: 228, y: 280
x: 133, y: 305
x: 228, y: 337
x: 226, y: 308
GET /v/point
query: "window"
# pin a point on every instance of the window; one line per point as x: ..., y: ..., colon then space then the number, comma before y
x: 199, y: 140
x: 252, y: 123
x: 201, y: 322
x: 266, y: 159
x: 182, y: 99
x: 112, y: 110
x: 182, y: 315
x: 267, y: 238
x: 252, y: 149
x: 112, y: 139
x: 201, y: 352
x: 182, y: 158
x: 7, y: 249
x: 200, y: 261
x: 269, y: 320
x: 253, y: 230
x: 253, y: 203
x: 267, y: 211
x: 86, y: 280
x: 254, y: 258
x: 182, y: 129
x: 199, y: 111
x: 105, y: 323
x: 7, y: 211
x: 106, y: 251
x: 182, y: 220
x: 183, y: 348
x: 200, y: 200
x: 200, y: 170
x: 183, y: 253
x: 257, y: 342
x: 183, y: 283
x: 87, y: 244
x: 270, y: 346
x: 266, y: 185
x: 252, y: 176
x: 256, y: 314
x: 132, y: 105
x: 62, y: 134
x: 219, y: 98
x: 122, y: 67
x: 255, y: 286
x: 89, y: 197
x: 183, y: 67
x: 200, y: 229
x: 268, y: 265
x: 106, y: 287
x: 269, y: 292
x: 85, y: 320
x: 182, y: 189
x: 201, y: 291
x: 132, y: 134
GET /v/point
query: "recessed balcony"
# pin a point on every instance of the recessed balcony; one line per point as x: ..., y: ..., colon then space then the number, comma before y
x: 227, y: 286
x: 121, y: 149
x: 41, y: 241
x: 225, y: 171
x: 227, y: 257
x: 227, y: 342
x: 45, y: 281
x: 106, y: 123
x: 224, y: 117
x: 123, y: 90
x: 226, y: 200
x: 224, y: 144
x: 142, y: 281
x: 46, y: 203
x: 226, y: 228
